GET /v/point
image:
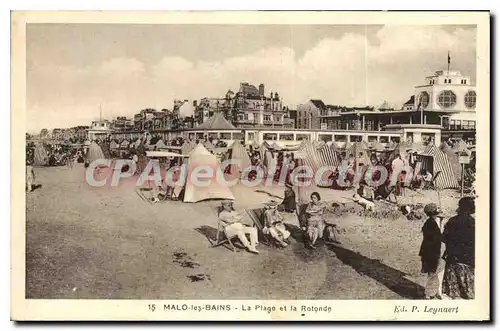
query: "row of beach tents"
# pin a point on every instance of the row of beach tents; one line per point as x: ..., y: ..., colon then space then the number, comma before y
x: 314, y: 154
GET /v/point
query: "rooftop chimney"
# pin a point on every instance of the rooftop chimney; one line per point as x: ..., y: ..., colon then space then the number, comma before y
x: 261, y: 90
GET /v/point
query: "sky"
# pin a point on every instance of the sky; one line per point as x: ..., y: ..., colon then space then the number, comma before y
x: 74, y: 70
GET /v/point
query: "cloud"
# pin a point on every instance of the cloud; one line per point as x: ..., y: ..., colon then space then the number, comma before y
x: 350, y: 70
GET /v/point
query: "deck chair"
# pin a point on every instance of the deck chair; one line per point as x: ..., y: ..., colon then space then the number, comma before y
x: 257, y: 217
x: 221, y: 236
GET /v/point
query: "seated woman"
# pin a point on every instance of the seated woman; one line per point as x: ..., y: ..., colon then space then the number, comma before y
x: 315, y: 223
x: 273, y: 224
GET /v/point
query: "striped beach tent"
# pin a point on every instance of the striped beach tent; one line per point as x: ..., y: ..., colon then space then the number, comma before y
x: 453, y: 157
x: 311, y: 155
x: 435, y: 160
x: 333, y: 145
x: 329, y: 155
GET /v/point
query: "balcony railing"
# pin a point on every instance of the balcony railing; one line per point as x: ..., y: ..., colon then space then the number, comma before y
x: 246, y: 121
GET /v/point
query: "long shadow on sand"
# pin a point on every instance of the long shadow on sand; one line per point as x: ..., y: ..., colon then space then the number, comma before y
x: 392, y: 278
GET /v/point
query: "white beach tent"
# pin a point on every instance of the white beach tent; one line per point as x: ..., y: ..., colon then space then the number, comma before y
x: 200, y: 156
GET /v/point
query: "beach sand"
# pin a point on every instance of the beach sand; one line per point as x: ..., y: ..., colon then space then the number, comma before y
x: 107, y: 243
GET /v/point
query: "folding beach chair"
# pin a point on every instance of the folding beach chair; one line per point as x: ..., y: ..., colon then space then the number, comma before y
x: 257, y: 217
x: 221, y: 236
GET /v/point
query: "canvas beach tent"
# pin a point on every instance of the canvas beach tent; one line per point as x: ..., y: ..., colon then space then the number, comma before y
x: 187, y: 147
x: 239, y: 153
x: 208, y: 145
x: 94, y: 152
x: 435, y: 160
x: 125, y: 144
x: 276, y: 147
x: 264, y: 147
x: 41, y: 156
x: 359, y: 151
x: 401, y: 149
x: 200, y: 156
x: 378, y: 147
x: 160, y: 144
x: 114, y: 145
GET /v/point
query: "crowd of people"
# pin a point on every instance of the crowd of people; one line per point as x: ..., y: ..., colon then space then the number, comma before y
x: 57, y: 154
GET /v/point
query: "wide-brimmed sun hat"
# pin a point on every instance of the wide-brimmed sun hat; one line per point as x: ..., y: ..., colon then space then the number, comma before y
x: 226, y: 203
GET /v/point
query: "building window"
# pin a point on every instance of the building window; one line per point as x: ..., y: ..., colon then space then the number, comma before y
x: 325, y: 137
x: 270, y: 136
x: 447, y: 99
x: 286, y: 136
x: 303, y: 136
x: 251, y: 135
x: 423, y: 99
x: 340, y: 138
x: 470, y: 99
x: 384, y: 139
x: 225, y: 135
x: 355, y: 138
x: 276, y: 118
x: 267, y: 117
x: 238, y: 135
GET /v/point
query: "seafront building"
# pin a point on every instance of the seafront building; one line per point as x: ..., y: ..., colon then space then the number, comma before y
x: 443, y: 107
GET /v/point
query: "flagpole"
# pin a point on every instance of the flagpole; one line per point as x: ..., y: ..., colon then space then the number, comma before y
x: 449, y: 60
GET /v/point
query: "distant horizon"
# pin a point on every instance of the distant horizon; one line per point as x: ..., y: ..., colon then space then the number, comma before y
x: 74, y: 69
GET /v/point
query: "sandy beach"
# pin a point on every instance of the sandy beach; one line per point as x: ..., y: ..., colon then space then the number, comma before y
x: 107, y: 243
